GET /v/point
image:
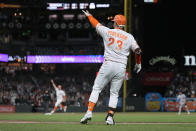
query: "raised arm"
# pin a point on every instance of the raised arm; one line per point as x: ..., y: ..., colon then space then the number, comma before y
x: 53, y: 84
x: 92, y: 20
x: 101, y: 30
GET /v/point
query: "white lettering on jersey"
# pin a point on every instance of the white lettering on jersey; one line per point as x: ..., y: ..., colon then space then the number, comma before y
x: 117, y: 43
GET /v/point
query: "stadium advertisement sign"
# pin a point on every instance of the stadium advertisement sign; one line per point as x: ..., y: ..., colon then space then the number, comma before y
x: 157, y: 59
x: 170, y: 104
x: 7, y: 109
x: 3, y: 57
x: 190, y: 60
x: 153, y: 102
x: 157, y: 78
x: 66, y: 59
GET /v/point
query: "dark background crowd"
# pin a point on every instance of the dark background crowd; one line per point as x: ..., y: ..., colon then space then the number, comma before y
x: 183, y: 81
x: 26, y: 87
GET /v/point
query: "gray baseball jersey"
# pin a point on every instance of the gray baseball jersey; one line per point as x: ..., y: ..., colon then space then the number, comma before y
x: 182, y: 99
x: 117, y: 43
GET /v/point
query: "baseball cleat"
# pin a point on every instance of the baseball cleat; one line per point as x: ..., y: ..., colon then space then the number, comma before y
x: 110, y: 120
x: 48, y: 114
x: 87, y: 117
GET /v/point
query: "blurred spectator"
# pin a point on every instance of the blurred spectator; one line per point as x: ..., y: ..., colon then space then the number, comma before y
x: 22, y: 87
x: 46, y: 99
x: 182, y: 81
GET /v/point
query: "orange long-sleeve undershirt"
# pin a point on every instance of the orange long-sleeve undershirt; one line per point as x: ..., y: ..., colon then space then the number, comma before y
x: 93, y: 21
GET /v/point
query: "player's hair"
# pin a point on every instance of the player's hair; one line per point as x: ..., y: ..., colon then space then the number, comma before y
x: 122, y: 27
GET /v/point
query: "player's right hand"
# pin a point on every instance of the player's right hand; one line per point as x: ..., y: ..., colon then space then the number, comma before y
x: 52, y: 81
x: 138, y: 68
x: 86, y: 13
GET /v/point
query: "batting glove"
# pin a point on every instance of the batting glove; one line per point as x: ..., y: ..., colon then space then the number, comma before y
x: 138, y: 67
x: 86, y: 13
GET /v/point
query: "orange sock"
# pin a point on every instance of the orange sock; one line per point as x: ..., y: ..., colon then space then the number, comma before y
x: 55, y: 108
x: 91, y: 106
x: 111, y: 112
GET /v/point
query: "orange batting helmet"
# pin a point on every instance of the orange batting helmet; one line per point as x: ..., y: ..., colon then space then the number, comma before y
x: 120, y: 20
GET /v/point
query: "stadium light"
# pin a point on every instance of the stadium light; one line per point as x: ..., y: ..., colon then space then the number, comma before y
x: 86, y: 25
x: 63, y: 26
x: 71, y: 25
x: 78, y: 25
x: 48, y: 25
x: 66, y: 6
x: 19, y: 25
x: 11, y: 25
x: 55, y: 25
x: 83, y: 5
x: 74, y: 6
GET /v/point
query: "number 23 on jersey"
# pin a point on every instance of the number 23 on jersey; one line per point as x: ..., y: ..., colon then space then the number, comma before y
x: 119, y: 42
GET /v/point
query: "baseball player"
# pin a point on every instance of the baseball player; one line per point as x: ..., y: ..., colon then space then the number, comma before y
x: 61, y: 97
x: 117, y: 45
x: 182, y: 101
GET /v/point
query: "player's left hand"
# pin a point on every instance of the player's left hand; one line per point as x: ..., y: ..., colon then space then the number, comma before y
x: 138, y: 68
x: 86, y: 13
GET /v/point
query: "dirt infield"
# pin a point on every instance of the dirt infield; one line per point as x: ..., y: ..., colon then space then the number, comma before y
x: 97, y: 123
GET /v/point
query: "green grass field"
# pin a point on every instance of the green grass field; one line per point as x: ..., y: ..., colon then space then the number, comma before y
x: 134, y: 121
